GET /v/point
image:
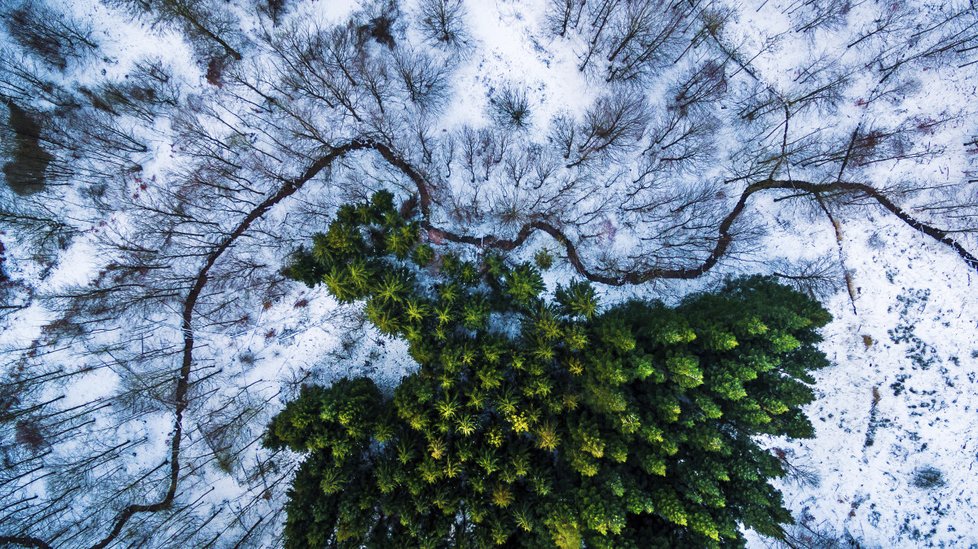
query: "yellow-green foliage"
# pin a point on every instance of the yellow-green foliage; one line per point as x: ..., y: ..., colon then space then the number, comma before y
x: 536, y: 422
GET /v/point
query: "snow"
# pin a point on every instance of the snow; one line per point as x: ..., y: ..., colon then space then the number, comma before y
x: 509, y: 47
x: 916, y: 306
x: 900, y: 393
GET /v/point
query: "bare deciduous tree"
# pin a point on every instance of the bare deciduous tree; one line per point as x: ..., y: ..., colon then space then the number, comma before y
x: 442, y: 21
x: 612, y: 125
x: 204, y: 20
x: 564, y: 15
x: 55, y: 36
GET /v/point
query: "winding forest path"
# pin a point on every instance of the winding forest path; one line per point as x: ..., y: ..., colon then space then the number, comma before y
x: 723, y: 243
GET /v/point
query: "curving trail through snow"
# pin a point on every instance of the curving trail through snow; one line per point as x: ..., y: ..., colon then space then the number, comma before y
x: 291, y: 186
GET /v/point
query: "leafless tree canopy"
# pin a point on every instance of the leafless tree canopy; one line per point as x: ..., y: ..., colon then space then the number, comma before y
x: 179, y: 186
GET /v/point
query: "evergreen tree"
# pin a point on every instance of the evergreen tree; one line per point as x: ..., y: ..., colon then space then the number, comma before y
x: 537, y: 424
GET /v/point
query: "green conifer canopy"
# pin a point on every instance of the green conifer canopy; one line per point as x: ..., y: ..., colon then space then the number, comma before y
x: 536, y: 422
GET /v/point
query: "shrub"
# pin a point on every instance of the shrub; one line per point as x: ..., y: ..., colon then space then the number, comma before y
x: 928, y: 477
x: 510, y: 107
x: 543, y: 259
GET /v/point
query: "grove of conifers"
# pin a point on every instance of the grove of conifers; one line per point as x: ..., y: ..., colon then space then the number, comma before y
x: 540, y: 420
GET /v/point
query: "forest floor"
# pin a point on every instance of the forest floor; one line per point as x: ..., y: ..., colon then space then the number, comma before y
x: 892, y: 461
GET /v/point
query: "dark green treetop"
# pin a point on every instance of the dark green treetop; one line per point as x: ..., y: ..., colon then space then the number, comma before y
x: 541, y: 423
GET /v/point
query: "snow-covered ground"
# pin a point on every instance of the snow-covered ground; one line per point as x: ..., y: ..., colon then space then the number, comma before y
x: 891, y: 463
x: 898, y: 399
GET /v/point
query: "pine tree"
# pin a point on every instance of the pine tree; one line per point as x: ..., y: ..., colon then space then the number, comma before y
x: 536, y: 424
